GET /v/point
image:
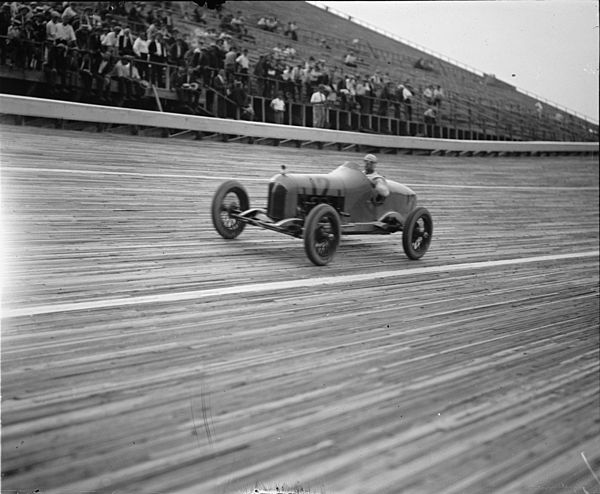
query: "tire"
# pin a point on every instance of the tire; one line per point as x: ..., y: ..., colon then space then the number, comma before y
x: 322, y: 232
x: 416, y: 233
x: 230, y: 197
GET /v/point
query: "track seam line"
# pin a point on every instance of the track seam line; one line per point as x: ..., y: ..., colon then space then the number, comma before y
x: 279, y: 285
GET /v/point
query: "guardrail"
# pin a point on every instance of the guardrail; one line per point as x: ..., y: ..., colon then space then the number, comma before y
x: 35, y: 107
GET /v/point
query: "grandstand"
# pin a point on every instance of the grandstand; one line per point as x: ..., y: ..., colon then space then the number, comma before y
x: 475, y: 106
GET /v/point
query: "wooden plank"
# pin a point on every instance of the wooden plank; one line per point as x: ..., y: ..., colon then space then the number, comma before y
x: 448, y: 381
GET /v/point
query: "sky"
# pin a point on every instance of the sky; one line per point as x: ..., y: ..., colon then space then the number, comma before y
x: 546, y: 47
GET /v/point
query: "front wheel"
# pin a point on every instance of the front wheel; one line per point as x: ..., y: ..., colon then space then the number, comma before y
x: 322, y: 231
x: 416, y: 233
x: 230, y: 198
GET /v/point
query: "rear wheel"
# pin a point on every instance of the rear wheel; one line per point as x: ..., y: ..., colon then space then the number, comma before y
x: 230, y: 198
x: 416, y: 233
x: 322, y: 231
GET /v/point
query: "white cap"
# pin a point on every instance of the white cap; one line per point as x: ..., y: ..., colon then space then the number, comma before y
x: 371, y: 158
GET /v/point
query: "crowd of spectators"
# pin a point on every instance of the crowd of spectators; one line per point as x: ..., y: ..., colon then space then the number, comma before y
x: 88, y: 51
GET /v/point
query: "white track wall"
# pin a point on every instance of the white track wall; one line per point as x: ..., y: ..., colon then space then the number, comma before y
x: 44, y: 108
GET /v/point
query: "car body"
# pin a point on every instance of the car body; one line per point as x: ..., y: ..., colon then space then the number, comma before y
x: 321, y: 207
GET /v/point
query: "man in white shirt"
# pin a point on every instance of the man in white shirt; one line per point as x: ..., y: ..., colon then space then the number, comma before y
x: 65, y: 32
x: 126, y: 75
x: 140, y: 48
x: 318, y: 100
x: 278, y: 107
x: 243, y: 63
x: 111, y: 38
x: 52, y: 27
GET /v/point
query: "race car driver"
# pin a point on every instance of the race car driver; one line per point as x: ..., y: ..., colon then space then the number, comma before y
x: 381, y: 189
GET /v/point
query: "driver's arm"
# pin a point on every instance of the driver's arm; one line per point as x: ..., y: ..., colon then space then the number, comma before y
x: 381, y: 187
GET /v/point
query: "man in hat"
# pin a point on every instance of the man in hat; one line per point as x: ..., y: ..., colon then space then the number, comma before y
x: 379, y: 183
x: 16, y: 40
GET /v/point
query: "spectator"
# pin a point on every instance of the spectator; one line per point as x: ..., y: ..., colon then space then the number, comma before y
x: 243, y: 65
x: 134, y: 16
x: 16, y: 44
x: 220, y: 86
x: 158, y: 56
x: 291, y: 30
x: 384, y: 100
x: 407, y: 100
x: 430, y: 118
x: 55, y: 69
x: 201, y: 66
x: 140, y: 50
x: 287, y: 85
x: 238, y: 24
x: 241, y: 100
x: 230, y: 64
x: 178, y: 49
x: 318, y: 100
x: 153, y: 29
x: 375, y: 81
x: 127, y: 77
x: 65, y: 33
x: 22, y: 15
x: 101, y: 73
x: 398, y: 98
x: 86, y: 65
x: 438, y: 96
x: 350, y: 60
x: 71, y: 78
x: 272, y: 24
x: 199, y: 16
x: 125, y: 42
x: 52, y: 27
x: 262, y: 23
x: 539, y: 109
x: 278, y: 107
x: 5, y: 21
x: 288, y: 52
x: 69, y: 13
x: 111, y: 39
x: 362, y: 88
x: 428, y: 95
x: 188, y: 89
x: 296, y: 82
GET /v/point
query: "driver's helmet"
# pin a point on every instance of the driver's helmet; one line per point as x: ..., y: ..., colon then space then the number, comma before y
x: 370, y: 157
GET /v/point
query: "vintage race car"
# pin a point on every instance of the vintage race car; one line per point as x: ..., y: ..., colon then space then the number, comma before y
x: 319, y: 208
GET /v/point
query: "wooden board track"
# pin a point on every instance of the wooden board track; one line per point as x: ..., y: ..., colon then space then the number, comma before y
x: 142, y: 353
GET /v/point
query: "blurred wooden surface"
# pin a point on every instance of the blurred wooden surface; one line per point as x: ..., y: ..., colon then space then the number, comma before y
x: 469, y: 381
